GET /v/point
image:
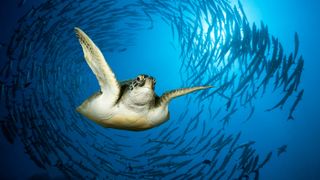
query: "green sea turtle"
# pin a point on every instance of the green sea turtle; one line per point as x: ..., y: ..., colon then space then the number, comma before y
x: 130, y: 105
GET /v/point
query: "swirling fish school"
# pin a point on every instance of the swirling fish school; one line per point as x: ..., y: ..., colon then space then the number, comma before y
x: 40, y: 89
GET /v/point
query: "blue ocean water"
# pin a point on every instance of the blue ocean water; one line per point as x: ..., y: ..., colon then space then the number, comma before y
x: 151, y: 47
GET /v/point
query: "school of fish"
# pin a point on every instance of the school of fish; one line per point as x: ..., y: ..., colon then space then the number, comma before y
x: 217, y: 46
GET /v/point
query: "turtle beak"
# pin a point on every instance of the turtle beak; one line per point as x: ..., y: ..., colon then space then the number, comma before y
x: 153, y: 82
x: 149, y: 82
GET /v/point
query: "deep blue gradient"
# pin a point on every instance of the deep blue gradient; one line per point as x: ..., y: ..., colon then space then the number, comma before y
x: 285, y: 18
x: 155, y: 52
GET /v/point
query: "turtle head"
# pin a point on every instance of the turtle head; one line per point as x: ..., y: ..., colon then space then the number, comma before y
x: 144, y: 81
x: 141, y: 90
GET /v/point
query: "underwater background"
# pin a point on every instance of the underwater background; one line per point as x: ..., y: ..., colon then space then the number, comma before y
x: 260, y: 121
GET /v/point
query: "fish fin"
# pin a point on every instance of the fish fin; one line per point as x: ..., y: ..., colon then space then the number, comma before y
x: 168, y: 96
x: 96, y: 61
x: 290, y: 117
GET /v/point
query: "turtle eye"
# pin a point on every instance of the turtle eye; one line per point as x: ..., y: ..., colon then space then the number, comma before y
x: 139, y: 78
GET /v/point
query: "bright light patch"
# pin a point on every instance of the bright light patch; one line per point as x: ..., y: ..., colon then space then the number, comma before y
x: 218, y: 36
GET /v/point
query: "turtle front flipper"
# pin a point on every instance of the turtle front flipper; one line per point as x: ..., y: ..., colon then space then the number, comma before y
x: 168, y: 96
x: 160, y: 113
x: 96, y: 61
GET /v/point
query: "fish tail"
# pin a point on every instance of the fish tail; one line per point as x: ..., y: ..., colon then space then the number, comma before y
x: 290, y: 117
